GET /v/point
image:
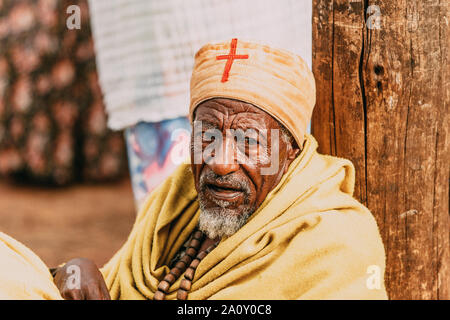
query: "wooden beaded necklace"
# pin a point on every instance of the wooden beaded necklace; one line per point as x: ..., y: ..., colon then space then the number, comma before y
x: 187, y: 264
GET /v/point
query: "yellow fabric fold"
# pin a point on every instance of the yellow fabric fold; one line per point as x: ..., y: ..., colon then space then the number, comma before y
x: 23, y: 275
x: 310, y: 239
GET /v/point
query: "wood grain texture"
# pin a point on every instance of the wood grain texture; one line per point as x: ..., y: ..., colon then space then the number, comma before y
x: 383, y: 102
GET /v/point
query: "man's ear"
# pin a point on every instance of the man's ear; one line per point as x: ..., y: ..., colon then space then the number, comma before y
x: 292, y: 150
x: 291, y: 153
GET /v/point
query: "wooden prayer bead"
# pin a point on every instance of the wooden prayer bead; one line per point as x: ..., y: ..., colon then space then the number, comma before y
x: 186, y: 259
x: 192, y: 259
x: 211, y: 248
x: 170, y: 278
x: 164, y: 286
x: 182, y: 295
x: 189, y: 274
x: 191, y: 252
x: 159, y: 295
x: 181, y: 265
x: 176, y: 272
x: 201, y: 255
x: 195, y: 243
x: 185, y: 285
x: 198, y: 235
x: 194, y: 264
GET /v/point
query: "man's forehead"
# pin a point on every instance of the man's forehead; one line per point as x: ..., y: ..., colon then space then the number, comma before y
x: 220, y: 107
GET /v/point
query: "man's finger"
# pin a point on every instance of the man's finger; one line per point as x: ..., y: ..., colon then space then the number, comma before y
x: 104, y: 290
x: 94, y: 292
x: 72, y: 294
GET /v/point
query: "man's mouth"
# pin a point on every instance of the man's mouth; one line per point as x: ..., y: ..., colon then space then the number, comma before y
x: 224, y: 192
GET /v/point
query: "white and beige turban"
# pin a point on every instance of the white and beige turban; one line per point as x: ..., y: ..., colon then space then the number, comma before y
x: 274, y: 80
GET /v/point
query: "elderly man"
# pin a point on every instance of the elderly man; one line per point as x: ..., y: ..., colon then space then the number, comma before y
x: 257, y: 213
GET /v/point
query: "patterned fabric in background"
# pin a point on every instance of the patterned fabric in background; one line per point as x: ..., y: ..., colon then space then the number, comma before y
x: 155, y: 149
x: 52, y: 120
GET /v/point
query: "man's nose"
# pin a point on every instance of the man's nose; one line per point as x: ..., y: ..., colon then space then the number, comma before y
x: 224, y: 161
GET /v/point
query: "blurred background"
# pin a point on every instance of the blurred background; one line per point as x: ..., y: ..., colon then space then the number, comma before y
x: 64, y: 187
x: 93, y: 107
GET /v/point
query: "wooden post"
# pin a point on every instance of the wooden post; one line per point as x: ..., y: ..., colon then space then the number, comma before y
x: 383, y: 92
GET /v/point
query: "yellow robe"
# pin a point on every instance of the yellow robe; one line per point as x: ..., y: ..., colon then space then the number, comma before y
x: 310, y: 239
x: 23, y: 275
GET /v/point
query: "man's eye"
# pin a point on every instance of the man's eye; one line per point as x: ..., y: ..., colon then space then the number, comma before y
x: 208, y: 136
x: 251, y: 141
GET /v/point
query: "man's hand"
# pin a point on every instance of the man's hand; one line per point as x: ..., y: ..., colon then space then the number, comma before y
x: 80, y: 279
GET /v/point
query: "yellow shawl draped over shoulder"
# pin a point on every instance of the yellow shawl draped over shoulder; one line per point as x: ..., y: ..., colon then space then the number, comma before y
x: 310, y: 239
x: 23, y: 275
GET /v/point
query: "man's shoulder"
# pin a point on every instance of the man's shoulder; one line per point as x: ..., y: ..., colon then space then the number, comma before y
x: 346, y: 232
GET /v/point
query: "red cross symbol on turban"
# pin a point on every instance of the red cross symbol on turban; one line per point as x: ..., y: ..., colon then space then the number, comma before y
x: 230, y: 58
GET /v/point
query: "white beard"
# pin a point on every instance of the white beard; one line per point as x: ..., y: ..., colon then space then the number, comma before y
x: 219, y: 221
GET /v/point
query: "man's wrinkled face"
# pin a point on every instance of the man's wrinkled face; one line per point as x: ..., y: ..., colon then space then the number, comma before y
x: 234, y: 177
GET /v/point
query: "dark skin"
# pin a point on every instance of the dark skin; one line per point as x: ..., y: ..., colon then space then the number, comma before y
x: 221, y: 114
x: 92, y: 285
